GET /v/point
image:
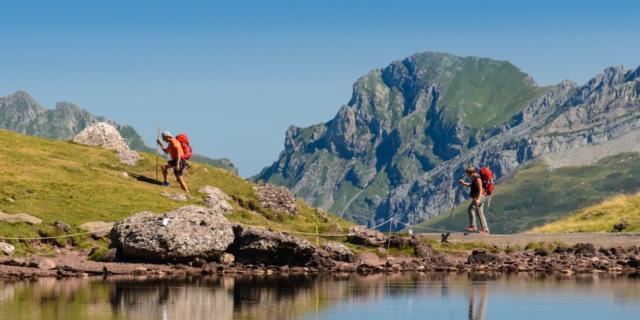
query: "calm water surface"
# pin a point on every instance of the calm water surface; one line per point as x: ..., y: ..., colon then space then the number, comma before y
x: 377, y: 297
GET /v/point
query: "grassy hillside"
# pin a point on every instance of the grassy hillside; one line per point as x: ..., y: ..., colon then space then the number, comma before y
x: 600, y: 217
x: 535, y: 195
x: 58, y: 180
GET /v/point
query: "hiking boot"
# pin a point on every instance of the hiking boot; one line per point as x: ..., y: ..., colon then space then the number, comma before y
x: 165, y: 184
x: 471, y: 229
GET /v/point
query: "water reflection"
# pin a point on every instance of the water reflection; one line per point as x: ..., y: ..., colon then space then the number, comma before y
x: 395, y: 296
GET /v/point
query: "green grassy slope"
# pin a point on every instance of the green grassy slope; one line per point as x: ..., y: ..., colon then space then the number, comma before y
x: 600, y: 217
x: 58, y: 180
x: 486, y: 93
x: 535, y: 195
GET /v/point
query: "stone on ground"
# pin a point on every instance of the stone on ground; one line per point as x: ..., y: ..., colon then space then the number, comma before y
x: 18, y: 218
x: 98, y: 229
x: 175, y: 196
x: 62, y: 226
x: 339, y: 252
x: 256, y: 245
x: 277, y: 198
x: 227, y: 258
x: 41, y: 263
x: 480, y: 256
x: 181, y: 235
x: 362, y: 235
x: 107, y: 136
x: 216, y: 200
x: 6, y: 248
x: 369, y: 261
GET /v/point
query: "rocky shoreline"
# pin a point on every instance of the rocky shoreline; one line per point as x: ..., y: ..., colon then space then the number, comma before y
x: 201, y: 241
x: 578, y: 259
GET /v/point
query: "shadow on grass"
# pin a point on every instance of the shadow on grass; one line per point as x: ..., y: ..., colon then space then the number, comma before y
x: 145, y: 179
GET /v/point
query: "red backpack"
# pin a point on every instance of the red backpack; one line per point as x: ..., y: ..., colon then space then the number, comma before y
x: 487, y: 180
x: 186, y: 147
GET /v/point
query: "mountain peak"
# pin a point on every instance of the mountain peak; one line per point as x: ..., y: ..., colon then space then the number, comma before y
x: 21, y: 97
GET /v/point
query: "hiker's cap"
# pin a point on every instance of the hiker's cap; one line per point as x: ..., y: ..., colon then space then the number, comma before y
x: 166, y: 134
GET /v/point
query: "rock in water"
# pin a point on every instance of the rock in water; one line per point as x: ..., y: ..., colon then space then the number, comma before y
x: 107, y: 136
x: 178, y: 236
x: 216, y: 199
x: 277, y: 198
x: 256, y: 245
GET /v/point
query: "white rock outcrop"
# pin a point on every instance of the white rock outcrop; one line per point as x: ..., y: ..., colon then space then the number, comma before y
x: 107, y: 136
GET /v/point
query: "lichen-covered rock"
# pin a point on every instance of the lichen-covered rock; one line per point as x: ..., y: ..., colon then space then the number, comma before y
x: 216, y: 199
x: 339, y: 252
x: 257, y: 245
x: 364, y: 236
x: 277, y: 198
x: 107, y: 136
x: 178, y: 236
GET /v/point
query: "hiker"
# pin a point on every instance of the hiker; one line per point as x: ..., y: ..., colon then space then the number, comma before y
x: 476, y: 193
x: 177, y: 162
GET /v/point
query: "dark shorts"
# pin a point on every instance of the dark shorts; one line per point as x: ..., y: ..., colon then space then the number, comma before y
x: 178, y: 167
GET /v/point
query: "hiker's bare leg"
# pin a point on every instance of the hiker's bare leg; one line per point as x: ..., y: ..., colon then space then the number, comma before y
x: 183, y: 184
x: 165, y: 170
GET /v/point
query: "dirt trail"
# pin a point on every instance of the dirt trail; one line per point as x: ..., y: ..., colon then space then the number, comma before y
x: 522, y: 239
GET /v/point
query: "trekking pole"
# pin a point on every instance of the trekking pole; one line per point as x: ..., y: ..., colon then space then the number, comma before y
x: 157, y: 151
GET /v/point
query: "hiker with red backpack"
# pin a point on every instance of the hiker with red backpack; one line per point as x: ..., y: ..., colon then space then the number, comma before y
x: 180, y: 152
x: 481, y: 185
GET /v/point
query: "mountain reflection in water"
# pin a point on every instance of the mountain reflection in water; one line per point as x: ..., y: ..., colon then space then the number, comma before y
x: 393, y: 296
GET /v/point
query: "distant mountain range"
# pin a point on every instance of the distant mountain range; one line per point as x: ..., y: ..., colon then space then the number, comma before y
x: 21, y: 113
x: 398, y: 147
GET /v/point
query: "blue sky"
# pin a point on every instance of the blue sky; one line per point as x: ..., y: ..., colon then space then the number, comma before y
x: 235, y: 74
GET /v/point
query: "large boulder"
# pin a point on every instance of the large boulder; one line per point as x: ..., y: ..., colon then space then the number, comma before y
x: 178, y: 236
x: 256, y: 245
x: 216, y: 200
x: 364, y: 236
x: 277, y: 198
x: 107, y: 136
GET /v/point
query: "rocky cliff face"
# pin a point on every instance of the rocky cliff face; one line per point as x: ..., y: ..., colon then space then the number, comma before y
x: 21, y: 113
x: 397, y: 148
